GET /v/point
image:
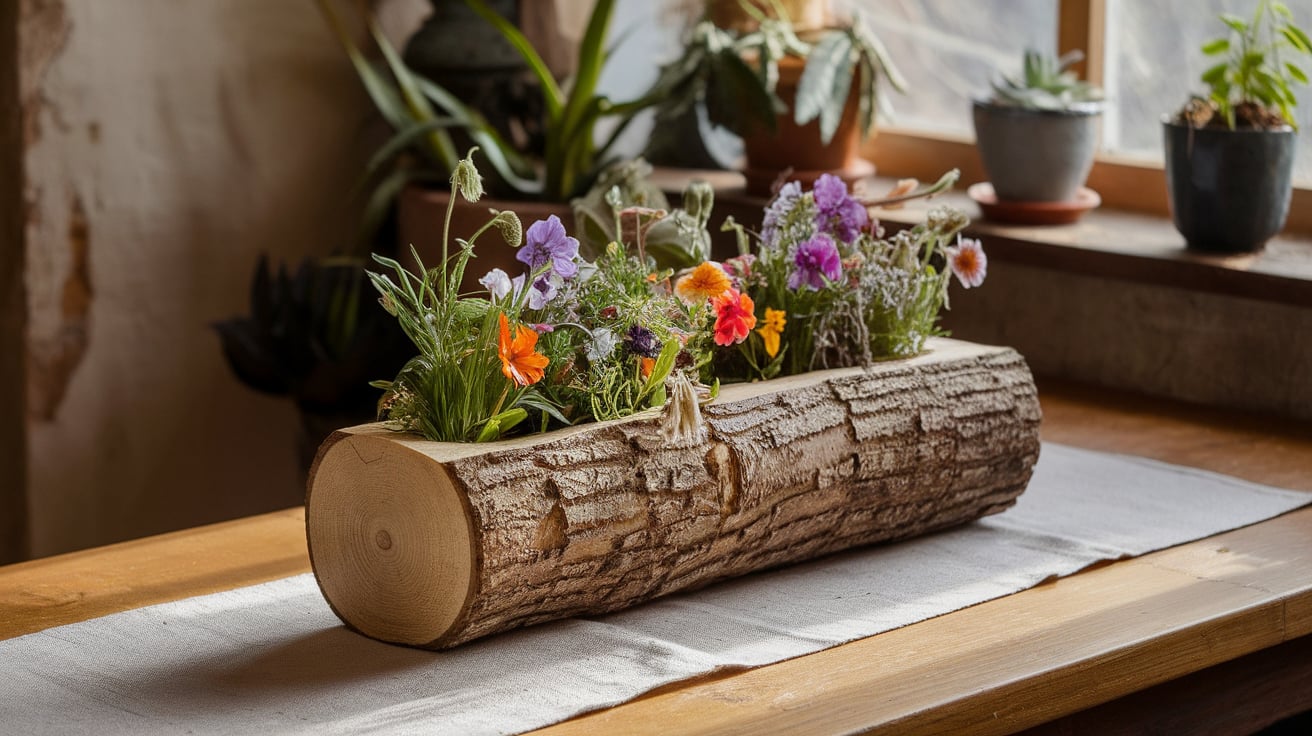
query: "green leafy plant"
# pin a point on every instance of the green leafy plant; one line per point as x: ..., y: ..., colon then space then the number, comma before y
x: 424, y: 116
x: 853, y: 51
x: 573, y: 157
x: 733, y: 76
x: 1254, y: 74
x: 1046, y: 83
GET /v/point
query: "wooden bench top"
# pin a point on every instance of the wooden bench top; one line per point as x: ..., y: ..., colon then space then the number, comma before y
x: 999, y: 667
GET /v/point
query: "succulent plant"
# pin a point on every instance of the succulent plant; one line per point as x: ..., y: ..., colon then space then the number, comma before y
x: 1046, y: 83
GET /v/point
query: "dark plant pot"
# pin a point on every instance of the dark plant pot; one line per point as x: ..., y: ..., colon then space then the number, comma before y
x: 1036, y: 155
x: 1229, y: 189
x: 422, y: 211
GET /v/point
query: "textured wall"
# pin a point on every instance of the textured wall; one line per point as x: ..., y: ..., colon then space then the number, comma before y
x: 13, y: 435
x: 166, y: 144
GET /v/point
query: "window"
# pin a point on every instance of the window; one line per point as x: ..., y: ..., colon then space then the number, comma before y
x: 1145, y: 54
x: 948, y: 51
x: 1150, y: 72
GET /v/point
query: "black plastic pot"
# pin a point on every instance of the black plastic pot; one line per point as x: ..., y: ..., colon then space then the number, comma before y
x: 1229, y: 189
x: 1036, y: 155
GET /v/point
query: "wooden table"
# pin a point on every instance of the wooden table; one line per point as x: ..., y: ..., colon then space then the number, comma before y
x: 1216, y: 633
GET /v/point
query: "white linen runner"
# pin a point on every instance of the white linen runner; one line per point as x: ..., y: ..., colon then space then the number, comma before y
x: 272, y: 658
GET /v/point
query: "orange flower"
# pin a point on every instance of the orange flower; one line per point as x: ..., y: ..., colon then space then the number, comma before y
x: 520, y: 362
x: 775, y: 319
x: 647, y: 366
x: 734, y: 317
x: 707, y: 281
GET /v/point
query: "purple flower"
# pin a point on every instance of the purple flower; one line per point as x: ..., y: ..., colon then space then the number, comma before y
x: 542, y: 291
x: 546, y: 242
x: 814, y: 261
x: 778, y: 210
x: 641, y: 341
x: 837, y: 213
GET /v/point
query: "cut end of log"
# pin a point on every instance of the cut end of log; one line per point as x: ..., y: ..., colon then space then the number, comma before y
x: 395, y: 563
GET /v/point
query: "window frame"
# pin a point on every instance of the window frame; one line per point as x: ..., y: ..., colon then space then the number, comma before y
x: 1123, y: 183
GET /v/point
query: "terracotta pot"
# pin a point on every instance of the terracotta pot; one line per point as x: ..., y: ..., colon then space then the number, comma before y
x: 798, y: 147
x: 422, y: 212
x: 804, y: 14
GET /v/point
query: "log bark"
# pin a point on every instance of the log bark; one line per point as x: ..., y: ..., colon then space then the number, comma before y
x: 434, y: 544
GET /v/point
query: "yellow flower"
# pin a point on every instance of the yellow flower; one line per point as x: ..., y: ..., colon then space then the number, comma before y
x: 707, y: 281
x: 775, y: 319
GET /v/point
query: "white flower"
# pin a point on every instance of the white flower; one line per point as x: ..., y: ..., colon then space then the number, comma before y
x: 602, y: 344
x: 497, y: 283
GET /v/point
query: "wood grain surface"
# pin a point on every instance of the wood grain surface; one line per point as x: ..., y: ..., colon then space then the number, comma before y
x: 1047, y: 653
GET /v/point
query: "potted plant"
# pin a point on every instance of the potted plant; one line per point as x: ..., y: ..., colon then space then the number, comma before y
x: 431, y: 125
x: 1038, y: 133
x: 560, y: 445
x: 1230, y: 155
x: 802, y: 102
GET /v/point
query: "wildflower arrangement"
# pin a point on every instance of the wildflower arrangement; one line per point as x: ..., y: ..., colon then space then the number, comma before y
x: 569, y: 341
x: 831, y: 291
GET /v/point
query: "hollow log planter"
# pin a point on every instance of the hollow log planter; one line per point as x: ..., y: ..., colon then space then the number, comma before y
x: 434, y: 544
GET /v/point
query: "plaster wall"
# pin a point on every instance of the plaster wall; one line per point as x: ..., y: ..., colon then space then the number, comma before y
x: 166, y: 144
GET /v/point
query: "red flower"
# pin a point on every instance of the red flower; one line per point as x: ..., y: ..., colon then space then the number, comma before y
x: 734, y: 317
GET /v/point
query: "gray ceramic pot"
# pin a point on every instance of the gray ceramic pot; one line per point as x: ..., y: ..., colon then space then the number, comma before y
x: 1036, y: 155
x: 1229, y: 189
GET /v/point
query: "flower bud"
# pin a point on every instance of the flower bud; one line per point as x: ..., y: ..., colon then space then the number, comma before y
x: 466, y: 178
x: 512, y: 230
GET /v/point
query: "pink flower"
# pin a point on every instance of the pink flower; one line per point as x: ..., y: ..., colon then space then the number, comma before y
x: 968, y: 261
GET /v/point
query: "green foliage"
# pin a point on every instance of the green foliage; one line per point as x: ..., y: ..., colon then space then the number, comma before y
x: 733, y: 78
x: 573, y: 158
x: 1046, y: 83
x: 422, y: 115
x: 826, y: 82
x: 1254, y: 65
x: 677, y: 238
x: 454, y: 390
x: 884, y: 305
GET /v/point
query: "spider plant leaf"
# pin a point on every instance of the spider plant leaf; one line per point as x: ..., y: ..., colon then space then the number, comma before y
x: 443, y: 147
x: 398, y: 143
x: 1296, y: 72
x: 551, y: 92
x: 384, y: 95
